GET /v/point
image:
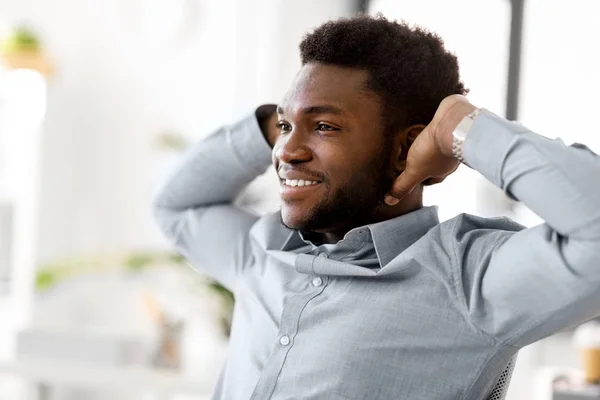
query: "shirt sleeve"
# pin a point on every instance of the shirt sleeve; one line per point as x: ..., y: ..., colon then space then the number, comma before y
x: 522, y: 286
x: 194, y: 205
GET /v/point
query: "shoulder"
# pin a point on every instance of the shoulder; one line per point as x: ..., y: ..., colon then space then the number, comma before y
x: 470, y: 238
x: 462, y: 224
x: 467, y: 229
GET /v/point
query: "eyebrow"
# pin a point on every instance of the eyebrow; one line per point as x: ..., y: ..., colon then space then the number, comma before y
x: 321, y: 109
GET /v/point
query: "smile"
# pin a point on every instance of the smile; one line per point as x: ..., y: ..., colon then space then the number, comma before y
x: 297, y: 182
x: 296, y: 189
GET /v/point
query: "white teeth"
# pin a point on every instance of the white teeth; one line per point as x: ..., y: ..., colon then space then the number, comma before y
x: 299, y: 182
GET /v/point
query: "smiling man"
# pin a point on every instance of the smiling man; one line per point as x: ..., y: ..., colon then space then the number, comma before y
x: 341, y: 146
x: 354, y: 290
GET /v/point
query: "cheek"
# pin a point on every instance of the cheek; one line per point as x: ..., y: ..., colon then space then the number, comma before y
x: 343, y: 166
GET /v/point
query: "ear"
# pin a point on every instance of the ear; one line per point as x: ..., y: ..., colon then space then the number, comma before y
x: 406, y: 138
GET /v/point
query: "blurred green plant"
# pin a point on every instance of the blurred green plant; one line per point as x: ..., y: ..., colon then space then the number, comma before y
x: 20, y: 39
x: 172, y: 141
x: 51, y: 274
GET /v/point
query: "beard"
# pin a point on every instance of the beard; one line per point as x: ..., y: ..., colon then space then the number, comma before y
x: 353, y: 204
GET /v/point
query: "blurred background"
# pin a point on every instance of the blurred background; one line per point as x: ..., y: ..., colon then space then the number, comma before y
x: 98, y: 98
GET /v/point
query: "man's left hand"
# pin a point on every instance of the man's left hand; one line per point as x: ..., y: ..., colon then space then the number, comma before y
x: 430, y: 160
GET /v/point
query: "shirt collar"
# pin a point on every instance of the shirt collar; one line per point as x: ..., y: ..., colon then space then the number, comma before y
x: 390, y: 237
x: 395, y: 235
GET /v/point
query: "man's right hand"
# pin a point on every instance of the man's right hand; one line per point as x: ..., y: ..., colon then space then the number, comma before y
x: 267, y: 119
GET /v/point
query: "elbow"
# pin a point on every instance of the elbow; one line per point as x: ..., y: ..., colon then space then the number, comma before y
x: 166, y: 218
x: 159, y: 211
x: 157, y: 205
x: 168, y: 221
x: 159, y: 202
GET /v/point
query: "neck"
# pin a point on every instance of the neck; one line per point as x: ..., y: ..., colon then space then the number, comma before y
x: 410, y: 203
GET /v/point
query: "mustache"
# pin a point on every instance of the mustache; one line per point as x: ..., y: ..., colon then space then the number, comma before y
x: 302, y: 170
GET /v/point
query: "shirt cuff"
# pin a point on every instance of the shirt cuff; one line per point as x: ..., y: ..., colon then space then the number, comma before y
x: 488, y: 143
x: 249, y: 144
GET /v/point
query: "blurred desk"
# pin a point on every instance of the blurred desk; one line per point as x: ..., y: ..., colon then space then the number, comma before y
x: 162, y: 384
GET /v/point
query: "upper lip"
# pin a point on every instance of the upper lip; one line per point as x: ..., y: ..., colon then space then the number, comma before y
x: 293, y: 175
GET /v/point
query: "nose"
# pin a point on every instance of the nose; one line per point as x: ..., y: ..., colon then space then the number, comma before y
x: 293, y: 149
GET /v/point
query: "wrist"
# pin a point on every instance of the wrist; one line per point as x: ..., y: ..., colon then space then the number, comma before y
x: 449, y: 121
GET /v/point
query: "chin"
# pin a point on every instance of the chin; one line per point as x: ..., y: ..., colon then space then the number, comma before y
x: 294, y: 218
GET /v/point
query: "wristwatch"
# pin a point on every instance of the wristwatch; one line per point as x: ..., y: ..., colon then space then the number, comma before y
x: 460, y: 134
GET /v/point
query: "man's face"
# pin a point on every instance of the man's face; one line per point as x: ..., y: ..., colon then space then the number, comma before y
x: 333, y: 160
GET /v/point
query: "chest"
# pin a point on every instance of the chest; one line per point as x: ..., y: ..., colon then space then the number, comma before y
x: 364, y: 334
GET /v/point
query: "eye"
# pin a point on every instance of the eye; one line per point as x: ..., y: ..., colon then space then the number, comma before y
x: 284, y: 127
x: 326, y: 128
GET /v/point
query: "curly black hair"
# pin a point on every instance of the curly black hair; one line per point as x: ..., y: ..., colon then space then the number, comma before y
x: 409, y: 68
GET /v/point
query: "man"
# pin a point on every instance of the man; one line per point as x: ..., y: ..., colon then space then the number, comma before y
x: 355, y: 290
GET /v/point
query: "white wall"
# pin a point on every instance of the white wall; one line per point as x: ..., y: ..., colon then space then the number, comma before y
x: 561, y: 69
x: 271, y: 40
x: 124, y: 73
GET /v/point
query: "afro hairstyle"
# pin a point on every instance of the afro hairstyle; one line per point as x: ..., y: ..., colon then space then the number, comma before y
x: 409, y: 68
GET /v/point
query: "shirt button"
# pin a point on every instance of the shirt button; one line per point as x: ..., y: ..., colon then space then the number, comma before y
x: 284, y: 340
x: 324, y: 255
x: 317, y: 282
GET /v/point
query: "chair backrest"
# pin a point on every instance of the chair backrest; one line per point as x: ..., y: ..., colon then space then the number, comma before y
x: 499, y: 391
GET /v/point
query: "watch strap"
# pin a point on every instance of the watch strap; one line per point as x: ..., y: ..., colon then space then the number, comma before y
x: 460, y: 134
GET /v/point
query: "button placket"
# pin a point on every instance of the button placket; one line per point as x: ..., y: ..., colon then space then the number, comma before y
x: 284, y: 340
x: 290, y: 317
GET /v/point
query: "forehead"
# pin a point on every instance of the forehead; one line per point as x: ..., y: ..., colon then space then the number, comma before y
x: 328, y: 85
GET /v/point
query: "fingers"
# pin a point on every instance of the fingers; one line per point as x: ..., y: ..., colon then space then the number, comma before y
x: 403, y: 185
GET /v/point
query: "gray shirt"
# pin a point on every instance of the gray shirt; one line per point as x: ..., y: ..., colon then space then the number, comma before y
x: 408, y: 308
